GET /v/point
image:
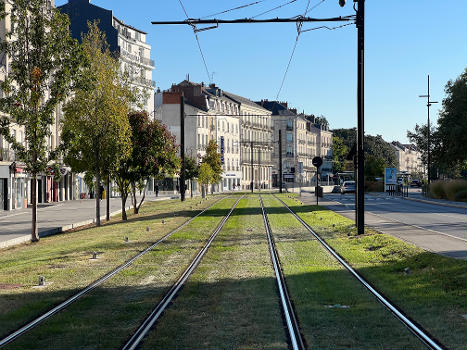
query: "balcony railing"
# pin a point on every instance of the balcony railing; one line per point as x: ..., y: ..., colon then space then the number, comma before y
x: 144, y: 81
x: 7, y: 155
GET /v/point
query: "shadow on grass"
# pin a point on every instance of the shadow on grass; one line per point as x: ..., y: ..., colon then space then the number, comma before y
x: 433, y: 287
x: 194, y: 317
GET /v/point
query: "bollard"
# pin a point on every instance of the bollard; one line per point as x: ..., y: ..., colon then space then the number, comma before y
x: 41, y: 281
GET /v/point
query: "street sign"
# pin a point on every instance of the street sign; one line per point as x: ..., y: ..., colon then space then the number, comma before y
x: 317, y: 161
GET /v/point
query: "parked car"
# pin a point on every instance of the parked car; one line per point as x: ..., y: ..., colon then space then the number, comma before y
x: 415, y: 183
x: 347, y: 187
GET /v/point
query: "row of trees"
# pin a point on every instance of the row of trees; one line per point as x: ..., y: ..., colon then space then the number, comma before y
x: 378, y: 153
x: 103, y: 135
x: 448, y: 137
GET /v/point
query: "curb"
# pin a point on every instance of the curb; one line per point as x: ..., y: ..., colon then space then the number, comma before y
x: 61, y: 229
x: 436, y: 203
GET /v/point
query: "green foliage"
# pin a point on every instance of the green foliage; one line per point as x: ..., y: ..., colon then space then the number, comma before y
x: 451, y: 136
x: 213, y: 158
x: 44, y: 64
x: 419, y: 137
x: 373, y: 145
x: 153, y: 154
x: 339, y: 152
x: 374, y: 166
x: 205, y: 174
x: 96, y: 132
x: 191, y: 168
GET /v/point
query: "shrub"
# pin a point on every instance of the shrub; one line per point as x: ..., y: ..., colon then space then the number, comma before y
x: 374, y: 186
x: 437, y: 190
x: 453, y: 190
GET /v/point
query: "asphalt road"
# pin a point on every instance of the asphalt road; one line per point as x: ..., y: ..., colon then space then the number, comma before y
x: 432, y: 227
x: 17, y: 223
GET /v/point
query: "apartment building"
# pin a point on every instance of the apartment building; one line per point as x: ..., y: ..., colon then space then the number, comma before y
x: 256, y: 143
x: 409, y: 158
x: 303, y: 138
x: 209, y: 115
x: 128, y: 42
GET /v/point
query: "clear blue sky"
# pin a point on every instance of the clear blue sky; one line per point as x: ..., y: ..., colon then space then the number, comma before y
x: 405, y: 41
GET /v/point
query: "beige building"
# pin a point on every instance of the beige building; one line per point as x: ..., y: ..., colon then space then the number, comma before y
x: 256, y: 143
x: 302, y: 140
x: 409, y: 158
x: 210, y: 115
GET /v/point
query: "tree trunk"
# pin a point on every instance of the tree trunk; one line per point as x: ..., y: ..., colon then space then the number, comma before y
x: 191, y: 188
x: 141, y: 202
x: 98, y: 199
x: 107, y: 199
x: 133, y: 191
x: 34, y: 233
x: 203, y: 191
x: 124, y: 198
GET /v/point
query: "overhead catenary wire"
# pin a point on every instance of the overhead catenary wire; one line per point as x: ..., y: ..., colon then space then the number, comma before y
x: 235, y: 8
x: 274, y: 8
x: 197, y: 41
x: 299, y: 30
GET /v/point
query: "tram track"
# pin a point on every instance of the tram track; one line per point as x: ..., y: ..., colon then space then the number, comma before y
x: 64, y: 304
x: 410, y: 324
x: 138, y: 336
x: 288, y: 311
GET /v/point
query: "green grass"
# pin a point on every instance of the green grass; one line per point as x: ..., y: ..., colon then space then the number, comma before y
x: 64, y: 260
x: 108, y: 315
x: 317, y: 283
x: 433, y: 293
x: 230, y: 302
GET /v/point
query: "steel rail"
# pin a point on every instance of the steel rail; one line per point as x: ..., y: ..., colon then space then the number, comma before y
x: 93, y: 285
x: 137, y: 337
x: 289, y: 314
x: 416, y: 329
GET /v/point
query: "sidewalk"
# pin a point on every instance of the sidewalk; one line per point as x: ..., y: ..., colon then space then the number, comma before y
x: 15, y: 226
x: 418, y: 197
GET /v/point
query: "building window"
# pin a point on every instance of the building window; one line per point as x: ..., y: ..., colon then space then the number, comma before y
x: 289, y: 137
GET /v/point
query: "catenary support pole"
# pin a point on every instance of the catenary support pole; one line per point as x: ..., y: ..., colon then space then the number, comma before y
x: 280, y: 161
x: 252, y: 168
x: 361, y: 118
x: 182, y: 147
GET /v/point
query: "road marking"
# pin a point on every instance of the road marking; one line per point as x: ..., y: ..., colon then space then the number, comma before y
x: 404, y: 223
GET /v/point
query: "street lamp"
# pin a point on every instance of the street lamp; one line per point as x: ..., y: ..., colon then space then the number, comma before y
x: 428, y: 104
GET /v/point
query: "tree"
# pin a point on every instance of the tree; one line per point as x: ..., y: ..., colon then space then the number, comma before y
x: 419, y: 137
x: 96, y: 131
x: 213, y: 158
x: 205, y: 177
x: 339, y: 153
x: 153, y: 154
x: 450, y: 148
x: 44, y: 66
x: 374, y: 167
x: 191, y: 171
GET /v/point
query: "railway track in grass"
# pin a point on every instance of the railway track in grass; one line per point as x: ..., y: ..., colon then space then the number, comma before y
x: 138, y: 336
x: 412, y: 325
x: 293, y: 329
x: 64, y: 304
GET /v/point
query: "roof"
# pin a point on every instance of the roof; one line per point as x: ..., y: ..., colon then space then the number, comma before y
x: 243, y: 100
x: 276, y: 108
x: 127, y: 25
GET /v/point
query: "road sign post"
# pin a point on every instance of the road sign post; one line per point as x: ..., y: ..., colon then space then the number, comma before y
x: 317, y: 162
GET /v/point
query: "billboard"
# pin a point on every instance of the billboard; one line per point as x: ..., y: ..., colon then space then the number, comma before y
x: 390, y: 176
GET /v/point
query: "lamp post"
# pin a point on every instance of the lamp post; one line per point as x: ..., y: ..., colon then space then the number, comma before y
x: 428, y: 104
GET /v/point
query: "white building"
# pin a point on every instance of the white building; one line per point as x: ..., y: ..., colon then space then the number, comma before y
x: 128, y: 42
x: 409, y: 158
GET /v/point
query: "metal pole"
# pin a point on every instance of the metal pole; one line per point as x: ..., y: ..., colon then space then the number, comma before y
x: 428, y: 138
x: 280, y: 161
x: 360, y: 125
x: 252, y: 168
x: 182, y: 147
